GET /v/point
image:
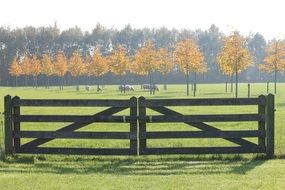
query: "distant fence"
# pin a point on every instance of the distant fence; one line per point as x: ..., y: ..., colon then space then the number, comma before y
x: 138, y: 120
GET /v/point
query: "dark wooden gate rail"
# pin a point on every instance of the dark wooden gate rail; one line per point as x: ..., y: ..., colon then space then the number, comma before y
x: 13, y: 132
x: 264, y: 133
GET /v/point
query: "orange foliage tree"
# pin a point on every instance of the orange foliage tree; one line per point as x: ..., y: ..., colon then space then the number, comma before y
x: 165, y: 63
x: 26, y: 68
x: 145, y: 61
x: 119, y: 62
x: 47, y: 67
x: 275, y: 59
x: 76, y: 66
x: 190, y: 60
x: 15, y: 70
x: 35, y: 69
x: 234, y: 56
x: 60, y: 67
x: 97, y: 66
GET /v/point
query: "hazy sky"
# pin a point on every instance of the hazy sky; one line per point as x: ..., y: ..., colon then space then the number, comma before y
x: 264, y: 16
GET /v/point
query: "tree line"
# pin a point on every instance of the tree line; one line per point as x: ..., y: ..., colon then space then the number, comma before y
x: 37, y: 42
x: 185, y: 56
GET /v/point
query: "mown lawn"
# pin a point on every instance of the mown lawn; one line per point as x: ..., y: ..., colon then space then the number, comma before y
x: 249, y: 171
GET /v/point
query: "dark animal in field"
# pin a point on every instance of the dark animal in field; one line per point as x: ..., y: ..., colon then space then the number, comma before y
x: 126, y: 88
x: 88, y: 88
x: 150, y: 87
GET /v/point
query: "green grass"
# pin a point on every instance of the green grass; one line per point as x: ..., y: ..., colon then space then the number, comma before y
x: 249, y: 171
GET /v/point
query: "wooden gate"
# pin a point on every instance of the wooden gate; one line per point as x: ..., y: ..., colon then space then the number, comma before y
x: 138, y: 114
x: 14, y: 134
x: 264, y: 133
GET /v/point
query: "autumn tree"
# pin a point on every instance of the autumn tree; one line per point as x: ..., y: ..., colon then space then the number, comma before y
x: 60, y: 67
x: 234, y: 55
x: 190, y: 59
x: 119, y: 62
x: 145, y: 61
x: 76, y: 66
x: 275, y: 59
x: 26, y: 68
x: 47, y: 67
x: 165, y: 63
x: 97, y: 66
x: 35, y: 69
x: 15, y: 70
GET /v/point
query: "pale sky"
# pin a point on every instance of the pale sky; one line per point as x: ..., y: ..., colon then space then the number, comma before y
x: 247, y: 16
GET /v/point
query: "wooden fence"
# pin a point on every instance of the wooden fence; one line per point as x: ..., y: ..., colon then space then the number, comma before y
x: 13, y: 120
x: 138, y: 119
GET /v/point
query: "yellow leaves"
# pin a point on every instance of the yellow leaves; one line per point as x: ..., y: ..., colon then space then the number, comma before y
x: 15, y: 68
x: 164, y: 61
x: 189, y: 57
x: 61, y: 65
x: 97, y: 65
x: 234, y: 56
x: 26, y: 66
x: 47, y: 65
x: 119, y: 61
x: 145, y: 60
x: 35, y: 66
x: 76, y: 65
x: 275, y: 59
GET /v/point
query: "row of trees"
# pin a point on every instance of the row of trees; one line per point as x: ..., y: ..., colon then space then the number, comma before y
x: 50, y: 40
x: 233, y: 58
x: 144, y: 62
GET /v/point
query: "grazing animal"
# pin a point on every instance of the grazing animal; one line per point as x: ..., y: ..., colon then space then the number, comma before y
x: 150, y: 87
x: 126, y: 88
x: 88, y: 88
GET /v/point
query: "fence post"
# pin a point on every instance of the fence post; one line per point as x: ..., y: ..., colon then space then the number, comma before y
x: 8, y: 125
x: 133, y: 126
x: 269, y: 125
x: 248, y: 90
x: 261, y: 124
x: 16, y: 123
x: 142, y: 125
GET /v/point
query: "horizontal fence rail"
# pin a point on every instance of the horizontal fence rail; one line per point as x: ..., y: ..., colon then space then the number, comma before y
x: 138, y: 119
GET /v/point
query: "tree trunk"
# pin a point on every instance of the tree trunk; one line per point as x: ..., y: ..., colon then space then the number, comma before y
x: 165, y: 85
x: 187, y: 81
x: 150, y: 85
x: 231, y: 83
x: 275, y: 80
x: 36, y: 81
x: 48, y: 82
x: 195, y: 77
x: 77, y: 83
x: 121, y: 83
x: 236, y: 82
x: 16, y: 82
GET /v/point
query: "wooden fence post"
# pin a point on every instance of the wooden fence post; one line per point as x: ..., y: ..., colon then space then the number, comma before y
x: 248, y: 90
x: 8, y: 125
x: 16, y: 123
x: 133, y: 126
x: 269, y: 125
x: 142, y: 125
x: 261, y: 124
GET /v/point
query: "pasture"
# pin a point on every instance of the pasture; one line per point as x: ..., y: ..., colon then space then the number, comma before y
x: 250, y: 171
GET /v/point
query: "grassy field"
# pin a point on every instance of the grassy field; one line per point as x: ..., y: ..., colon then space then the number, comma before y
x: 249, y: 171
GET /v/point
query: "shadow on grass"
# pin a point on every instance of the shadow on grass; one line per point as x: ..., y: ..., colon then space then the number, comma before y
x: 147, y: 165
